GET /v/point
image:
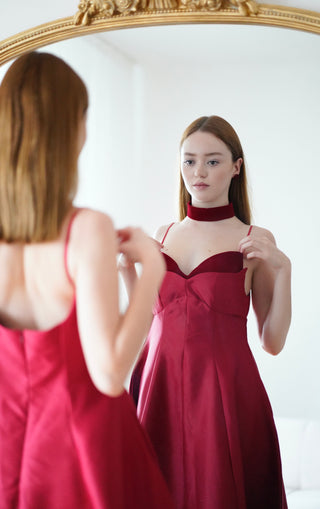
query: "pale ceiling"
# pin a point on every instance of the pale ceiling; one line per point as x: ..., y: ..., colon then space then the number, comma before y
x: 211, y: 44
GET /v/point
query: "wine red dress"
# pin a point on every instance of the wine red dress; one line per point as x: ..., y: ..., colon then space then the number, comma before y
x: 63, y: 444
x: 200, y: 396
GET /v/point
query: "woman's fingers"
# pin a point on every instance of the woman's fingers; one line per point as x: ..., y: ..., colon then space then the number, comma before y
x: 262, y: 248
x: 136, y: 245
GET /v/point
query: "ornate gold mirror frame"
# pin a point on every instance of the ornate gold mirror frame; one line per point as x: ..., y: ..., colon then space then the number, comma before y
x: 102, y: 15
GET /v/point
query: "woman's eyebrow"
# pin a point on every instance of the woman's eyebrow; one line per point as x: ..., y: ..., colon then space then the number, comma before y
x: 210, y: 154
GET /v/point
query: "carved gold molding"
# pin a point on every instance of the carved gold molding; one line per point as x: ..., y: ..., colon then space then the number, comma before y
x: 95, y: 16
x: 88, y: 10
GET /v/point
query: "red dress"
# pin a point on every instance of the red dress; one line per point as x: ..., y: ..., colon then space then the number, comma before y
x: 200, y: 396
x: 63, y: 444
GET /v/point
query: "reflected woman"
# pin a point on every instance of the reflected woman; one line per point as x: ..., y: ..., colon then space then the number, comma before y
x: 199, y: 393
x: 69, y: 434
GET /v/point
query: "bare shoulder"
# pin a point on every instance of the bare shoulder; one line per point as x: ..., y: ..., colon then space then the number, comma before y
x: 161, y: 231
x: 259, y: 232
x: 91, y: 223
x: 92, y: 231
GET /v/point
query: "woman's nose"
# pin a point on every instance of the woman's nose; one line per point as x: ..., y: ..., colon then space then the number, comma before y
x: 200, y: 170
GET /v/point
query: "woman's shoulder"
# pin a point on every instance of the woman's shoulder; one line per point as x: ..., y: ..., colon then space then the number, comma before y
x: 258, y: 231
x: 90, y: 227
x: 92, y: 238
x: 91, y: 220
x: 161, y: 231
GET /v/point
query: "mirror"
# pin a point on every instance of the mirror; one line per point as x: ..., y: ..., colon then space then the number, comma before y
x: 146, y: 84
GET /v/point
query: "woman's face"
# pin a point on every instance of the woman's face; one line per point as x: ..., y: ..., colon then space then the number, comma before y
x: 207, y: 169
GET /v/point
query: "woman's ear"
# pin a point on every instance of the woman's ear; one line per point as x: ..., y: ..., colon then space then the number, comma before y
x: 237, y: 167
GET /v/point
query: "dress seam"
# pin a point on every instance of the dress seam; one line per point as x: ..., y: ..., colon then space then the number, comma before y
x: 185, y: 495
x: 226, y: 428
x: 23, y: 347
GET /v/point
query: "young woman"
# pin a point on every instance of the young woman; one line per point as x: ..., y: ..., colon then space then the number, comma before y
x: 200, y: 396
x: 69, y: 436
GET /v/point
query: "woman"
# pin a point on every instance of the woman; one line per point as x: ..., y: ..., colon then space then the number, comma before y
x: 69, y: 437
x: 201, y: 398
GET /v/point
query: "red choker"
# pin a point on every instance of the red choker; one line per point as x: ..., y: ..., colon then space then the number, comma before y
x: 211, y: 214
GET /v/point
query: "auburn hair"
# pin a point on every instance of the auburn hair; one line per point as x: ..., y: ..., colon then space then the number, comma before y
x: 238, y: 192
x: 42, y: 103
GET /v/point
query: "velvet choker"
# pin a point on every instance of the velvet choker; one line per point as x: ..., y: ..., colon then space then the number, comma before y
x: 210, y: 214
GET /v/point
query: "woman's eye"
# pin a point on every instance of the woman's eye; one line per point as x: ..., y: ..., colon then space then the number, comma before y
x: 188, y: 162
x: 213, y: 163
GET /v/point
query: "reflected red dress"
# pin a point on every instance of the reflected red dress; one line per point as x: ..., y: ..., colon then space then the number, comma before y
x: 63, y: 444
x: 200, y: 396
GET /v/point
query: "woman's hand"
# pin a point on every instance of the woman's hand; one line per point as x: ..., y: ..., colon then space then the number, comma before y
x: 136, y: 246
x: 124, y: 263
x: 264, y: 248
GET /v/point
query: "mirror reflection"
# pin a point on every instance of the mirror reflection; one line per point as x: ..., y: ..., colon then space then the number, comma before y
x: 147, y: 84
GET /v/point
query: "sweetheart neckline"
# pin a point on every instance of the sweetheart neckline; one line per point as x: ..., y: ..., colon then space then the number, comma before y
x: 203, y: 261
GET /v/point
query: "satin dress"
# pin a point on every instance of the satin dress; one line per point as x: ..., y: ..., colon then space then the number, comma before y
x: 200, y: 396
x: 63, y: 444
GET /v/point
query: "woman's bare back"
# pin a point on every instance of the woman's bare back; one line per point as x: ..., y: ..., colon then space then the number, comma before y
x: 35, y: 290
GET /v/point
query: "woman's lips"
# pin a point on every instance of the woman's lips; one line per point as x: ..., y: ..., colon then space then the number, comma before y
x: 200, y: 186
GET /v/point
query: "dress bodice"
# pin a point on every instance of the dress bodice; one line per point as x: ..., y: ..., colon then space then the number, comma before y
x: 217, y: 282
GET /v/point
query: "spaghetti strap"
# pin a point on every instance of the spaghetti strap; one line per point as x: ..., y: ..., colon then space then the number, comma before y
x: 250, y: 229
x: 65, y: 253
x: 166, y: 233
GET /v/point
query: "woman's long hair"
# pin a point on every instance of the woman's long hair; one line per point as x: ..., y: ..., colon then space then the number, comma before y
x: 238, y: 193
x: 42, y: 103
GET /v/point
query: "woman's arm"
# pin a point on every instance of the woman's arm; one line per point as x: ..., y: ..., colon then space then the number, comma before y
x: 110, y: 342
x: 271, y: 288
x: 128, y: 273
